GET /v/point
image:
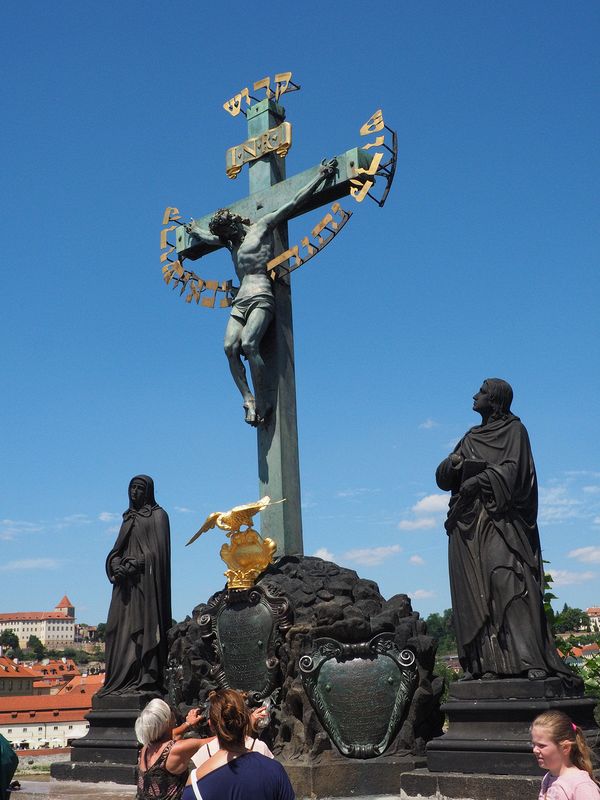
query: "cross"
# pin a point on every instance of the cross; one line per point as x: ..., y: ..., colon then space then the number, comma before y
x: 277, y: 438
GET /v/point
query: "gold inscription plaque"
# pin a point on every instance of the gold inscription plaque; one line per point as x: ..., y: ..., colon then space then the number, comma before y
x: 278, y: 140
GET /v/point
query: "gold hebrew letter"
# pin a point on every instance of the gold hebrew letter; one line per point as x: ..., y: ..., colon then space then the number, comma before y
x: 316, y: 231
x: 163, y: 236
x: 264, y: 83
x: 373, y: 167
x: 213, y: 286
x: 359, y: 194
x: 282, y: 81
x: 170, y: 215
x: 373, y: 124
x: 234, y: 106
x: 282, y: 258
x: 377, y: 143
x: 311, y: 249
x: 165, y: 256
x: 344, y: 215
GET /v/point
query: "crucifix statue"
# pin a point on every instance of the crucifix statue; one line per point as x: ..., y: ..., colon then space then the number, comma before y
x: 252, y: 246
x: 255, y: 231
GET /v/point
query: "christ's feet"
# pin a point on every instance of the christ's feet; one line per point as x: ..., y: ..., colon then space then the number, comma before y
x: 251, y: 416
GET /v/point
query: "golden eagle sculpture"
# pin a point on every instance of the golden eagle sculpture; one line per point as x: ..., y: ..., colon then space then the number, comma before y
x: 248, y: 554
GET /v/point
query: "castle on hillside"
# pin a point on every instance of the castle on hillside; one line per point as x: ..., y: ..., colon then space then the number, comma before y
x: 55, y: 629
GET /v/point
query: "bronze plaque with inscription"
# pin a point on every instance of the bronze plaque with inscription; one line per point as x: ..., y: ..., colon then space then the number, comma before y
x: 247, y: 628
x: 360, y: 692
x: 243, y: 633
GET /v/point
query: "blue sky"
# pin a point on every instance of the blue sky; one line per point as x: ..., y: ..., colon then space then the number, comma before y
x: 484, y: 262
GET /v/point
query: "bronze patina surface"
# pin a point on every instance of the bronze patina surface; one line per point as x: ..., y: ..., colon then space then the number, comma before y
x: 360, y: 692
x: 247, y: 630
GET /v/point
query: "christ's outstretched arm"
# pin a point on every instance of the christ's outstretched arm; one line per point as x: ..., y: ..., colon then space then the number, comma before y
x: 287, y: 210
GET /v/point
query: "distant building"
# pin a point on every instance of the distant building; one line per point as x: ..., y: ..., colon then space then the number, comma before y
x: 54, y: 629
x: 49, y: 721
x: 579, y: 655
x: 86, y: 633
x: 53, y: 674
x: 15, y: 678
x: 594, y: 615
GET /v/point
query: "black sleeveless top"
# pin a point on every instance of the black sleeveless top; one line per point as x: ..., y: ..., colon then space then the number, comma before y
x: 156, y: 782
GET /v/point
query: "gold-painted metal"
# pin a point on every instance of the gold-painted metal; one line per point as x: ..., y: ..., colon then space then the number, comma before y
x: 247, y: 554
x: 373, y: 124
x: 234, y: 106
x: 278, y: 140
x: 278, y: 267
x: 283, y: 84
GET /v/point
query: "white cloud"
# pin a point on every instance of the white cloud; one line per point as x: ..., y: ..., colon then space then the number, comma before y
x: 591, y: 489
x: 429, y: 424
x: 586, y: 554
x: 113, y: 529
x: 556, y: 505
x: 31, y: 563
x: 372, y: 556
x: 564, y: 577
x: 323, y: 553
x: 417, y: 560
x: 9, y: 528
x: 596, y: 520
x: 421, y: 594
x: 108, y: 516
x: 183, y: 510
x: 431, y: 504
x: 356, y: 492
x: 423, y: 523
x: 71, y: 519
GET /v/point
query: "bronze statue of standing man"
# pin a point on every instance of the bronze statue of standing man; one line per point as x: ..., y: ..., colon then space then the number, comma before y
x: 494, y: 554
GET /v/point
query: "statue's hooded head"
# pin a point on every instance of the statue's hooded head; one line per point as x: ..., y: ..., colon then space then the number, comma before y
x: 224, y: 224
x: 141, y: 492
x: 500, y: 394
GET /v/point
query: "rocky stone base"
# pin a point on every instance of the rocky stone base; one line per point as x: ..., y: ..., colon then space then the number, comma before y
x: 327, y: 601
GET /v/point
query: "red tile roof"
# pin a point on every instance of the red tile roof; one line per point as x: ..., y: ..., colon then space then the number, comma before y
x: 65, y: 603
x: 64, y: 706
x: 18, y: 616
x: 8, y: 669
x: 594, y: 611
x: 87, y: 684
x: 55, y: 668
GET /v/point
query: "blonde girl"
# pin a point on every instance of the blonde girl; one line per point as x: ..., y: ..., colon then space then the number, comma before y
x: 560, y: 748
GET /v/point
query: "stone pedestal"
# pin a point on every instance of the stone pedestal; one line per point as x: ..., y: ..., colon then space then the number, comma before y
x: 489, y: 721
x: 352, y: 777
x: 109, y: 750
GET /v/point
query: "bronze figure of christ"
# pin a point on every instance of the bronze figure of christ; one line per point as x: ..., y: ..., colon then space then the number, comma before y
x: 251, y: 245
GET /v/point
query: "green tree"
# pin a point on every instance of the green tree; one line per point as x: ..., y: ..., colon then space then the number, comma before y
x: 441, y: 627
x: 9, y: 638
x: 100, y: 631
x: 36, y: 647
x: 571, y: 619
x: 548, y: 598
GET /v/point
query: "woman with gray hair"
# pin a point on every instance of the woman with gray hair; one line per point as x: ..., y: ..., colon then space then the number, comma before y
x: 164, y: 758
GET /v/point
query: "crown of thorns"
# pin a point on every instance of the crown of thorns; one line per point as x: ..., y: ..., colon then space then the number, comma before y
x: 224, y: 217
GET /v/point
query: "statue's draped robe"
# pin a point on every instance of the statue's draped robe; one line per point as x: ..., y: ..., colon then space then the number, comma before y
x: 140, y: 609
x: 495, y: 563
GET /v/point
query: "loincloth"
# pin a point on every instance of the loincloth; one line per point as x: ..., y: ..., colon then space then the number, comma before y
x: 242, y: 308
